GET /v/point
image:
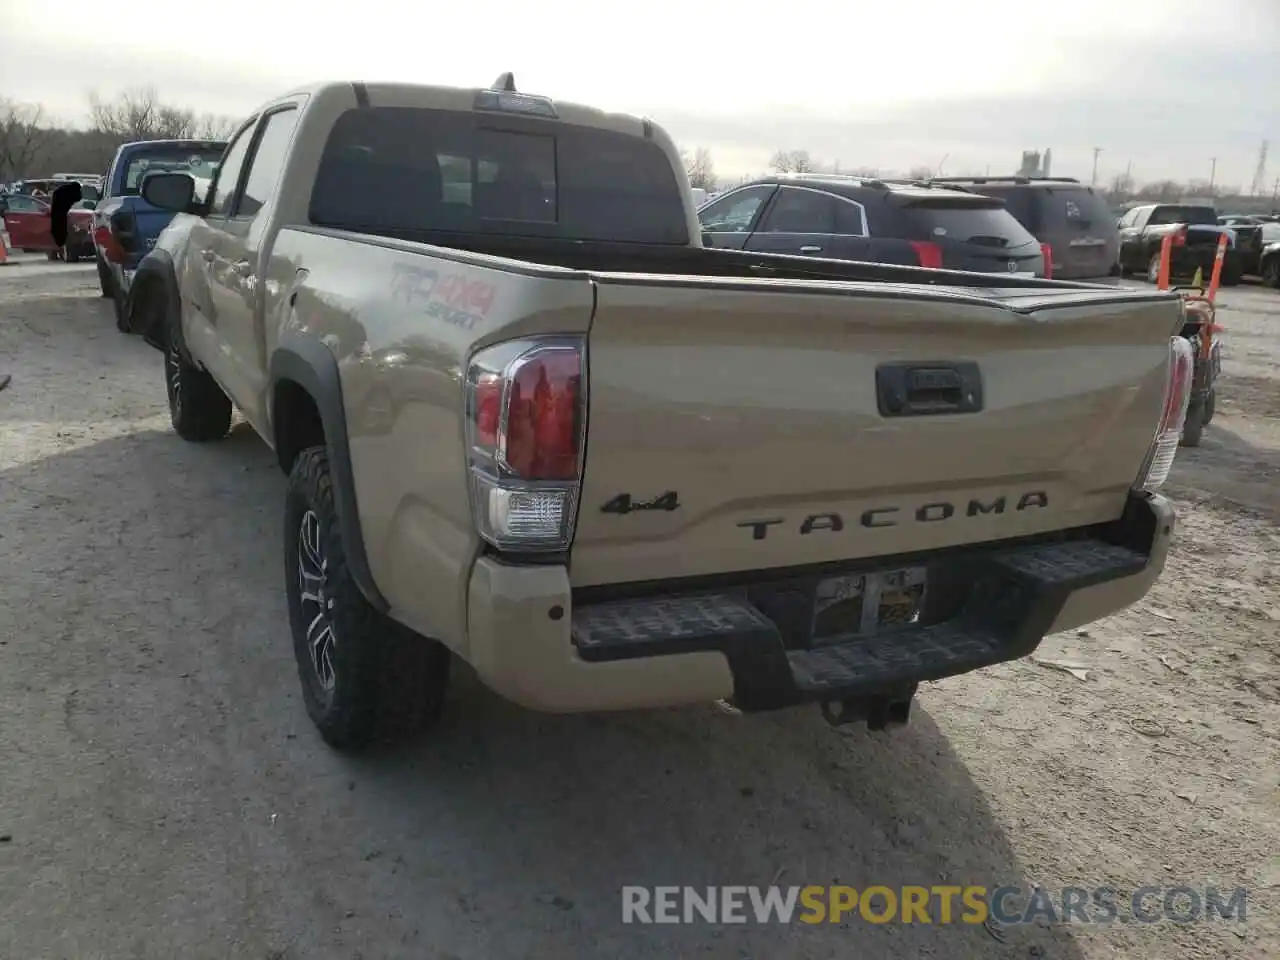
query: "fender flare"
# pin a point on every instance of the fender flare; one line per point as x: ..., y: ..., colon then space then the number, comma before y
x: 157, y: 267
x: 307, y: 362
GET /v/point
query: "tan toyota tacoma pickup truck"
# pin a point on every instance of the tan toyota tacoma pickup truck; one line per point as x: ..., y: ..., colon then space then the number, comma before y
x: 530, y: 422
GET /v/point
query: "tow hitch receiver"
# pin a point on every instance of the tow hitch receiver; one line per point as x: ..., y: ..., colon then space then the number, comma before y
x: 879, y: 713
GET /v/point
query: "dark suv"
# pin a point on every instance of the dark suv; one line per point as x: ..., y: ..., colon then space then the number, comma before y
x: 1067, y: 216
x: 881, y: 221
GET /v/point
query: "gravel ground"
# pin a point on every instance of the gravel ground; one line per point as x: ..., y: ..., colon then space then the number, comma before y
x: 162, y: 793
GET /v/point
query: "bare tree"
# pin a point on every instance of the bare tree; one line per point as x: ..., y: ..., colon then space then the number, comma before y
x: 138, y: 114
x: 869, y: 172
x: 920, y: 173
x: 1121, y: 186
x: 214, y: 126
x: 792, y: 161
x: 22, y: 137
x: 701, y: 169
x: 1162, y: 190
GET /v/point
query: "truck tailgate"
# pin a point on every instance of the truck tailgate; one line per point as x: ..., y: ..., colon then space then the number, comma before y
x: 795, y: 423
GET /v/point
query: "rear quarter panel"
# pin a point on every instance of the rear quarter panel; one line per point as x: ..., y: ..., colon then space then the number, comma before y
x: 402, y: 320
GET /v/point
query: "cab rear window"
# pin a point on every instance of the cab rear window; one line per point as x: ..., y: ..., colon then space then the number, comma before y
x: 404, y: 170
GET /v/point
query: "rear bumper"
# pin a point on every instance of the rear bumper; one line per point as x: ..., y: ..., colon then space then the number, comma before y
x: 996, y: 603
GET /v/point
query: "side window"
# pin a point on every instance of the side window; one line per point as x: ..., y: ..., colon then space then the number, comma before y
x: 850, y: 219
x: 20, y: 204
x: 801, y: 211
x: 224, y: 190
x: 1128, y: 219
x: 267, y: 162
x: 734, y: 213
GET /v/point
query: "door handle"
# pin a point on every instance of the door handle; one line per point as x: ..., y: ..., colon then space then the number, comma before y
x: 242, y: 268
x: 207, y: 256
x: 810, y: 249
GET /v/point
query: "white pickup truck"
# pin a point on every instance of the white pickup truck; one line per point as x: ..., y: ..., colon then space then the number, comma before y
x: 528, y: 421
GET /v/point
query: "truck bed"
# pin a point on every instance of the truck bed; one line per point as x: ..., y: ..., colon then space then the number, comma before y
x: 700, y: 261
x: 761, y: 404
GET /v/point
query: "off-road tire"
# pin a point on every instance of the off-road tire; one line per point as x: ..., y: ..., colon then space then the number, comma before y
x: 1210, y: 406
x: 198, y: 409
x: 387, y: 682
x: 1193, y: 427
x: 1153, y: 269
x: 104, y: 278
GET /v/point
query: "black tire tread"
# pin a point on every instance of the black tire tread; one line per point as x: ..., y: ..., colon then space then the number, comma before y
x: 1193, y: 428
x: 390, y: 681
x: 205, y: 411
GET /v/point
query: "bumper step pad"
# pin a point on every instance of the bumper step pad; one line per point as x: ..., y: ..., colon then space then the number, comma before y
x: 1011, y: 598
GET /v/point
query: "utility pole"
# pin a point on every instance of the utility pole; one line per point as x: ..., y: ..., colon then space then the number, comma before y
x: 1213, y: 173
x: 1094, y: 181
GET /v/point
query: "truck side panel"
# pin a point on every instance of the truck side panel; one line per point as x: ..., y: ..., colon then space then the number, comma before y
x: 401, y: 325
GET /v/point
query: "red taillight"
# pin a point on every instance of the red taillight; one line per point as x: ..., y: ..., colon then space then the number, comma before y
x: 542, y: 417
x: 1046, y: 252
x: 526, y: 419
x: 488, y: 400
x: 109, y: 245
x: 928, y: 253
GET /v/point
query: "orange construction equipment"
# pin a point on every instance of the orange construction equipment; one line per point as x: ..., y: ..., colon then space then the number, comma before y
x: 1201, y: 328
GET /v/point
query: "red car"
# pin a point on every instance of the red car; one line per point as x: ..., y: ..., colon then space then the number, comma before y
x: 26, y: 220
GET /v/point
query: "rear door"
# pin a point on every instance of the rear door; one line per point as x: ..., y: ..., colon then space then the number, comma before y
x: 800, y: 221
x: 727, y: 221
x: 236, y: 281
x: 974, y: 233
x: 1080, y: 228
x: 764, y: 410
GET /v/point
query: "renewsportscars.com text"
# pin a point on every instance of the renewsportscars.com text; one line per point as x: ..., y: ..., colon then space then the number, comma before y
x: 940, y: 904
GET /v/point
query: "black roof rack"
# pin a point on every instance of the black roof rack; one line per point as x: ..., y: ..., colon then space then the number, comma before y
x: 932, y: 182
x: 1010, y: 179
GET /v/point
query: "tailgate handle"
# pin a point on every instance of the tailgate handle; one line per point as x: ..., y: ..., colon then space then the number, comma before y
x: 924, y: 388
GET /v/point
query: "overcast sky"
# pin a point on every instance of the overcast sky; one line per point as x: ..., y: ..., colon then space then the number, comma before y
x: 1165, y: 84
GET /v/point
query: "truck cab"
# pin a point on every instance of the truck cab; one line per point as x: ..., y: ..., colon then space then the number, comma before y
x: 125, y: 225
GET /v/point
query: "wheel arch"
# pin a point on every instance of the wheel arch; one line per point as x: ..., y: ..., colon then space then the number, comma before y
x: 307, y: 410
x: 156, y: 281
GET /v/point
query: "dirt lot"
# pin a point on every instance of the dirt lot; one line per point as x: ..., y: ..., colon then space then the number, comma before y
x: 162, y: 793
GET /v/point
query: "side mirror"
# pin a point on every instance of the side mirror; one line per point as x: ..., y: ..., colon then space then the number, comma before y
x: 90, y: 204
x: 169, y: 191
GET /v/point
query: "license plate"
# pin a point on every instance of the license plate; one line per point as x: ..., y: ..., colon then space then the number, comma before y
x: 867, y: 603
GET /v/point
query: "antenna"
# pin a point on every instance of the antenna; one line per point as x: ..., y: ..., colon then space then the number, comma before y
x: 506, y: 82
x: 1260, y: 172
